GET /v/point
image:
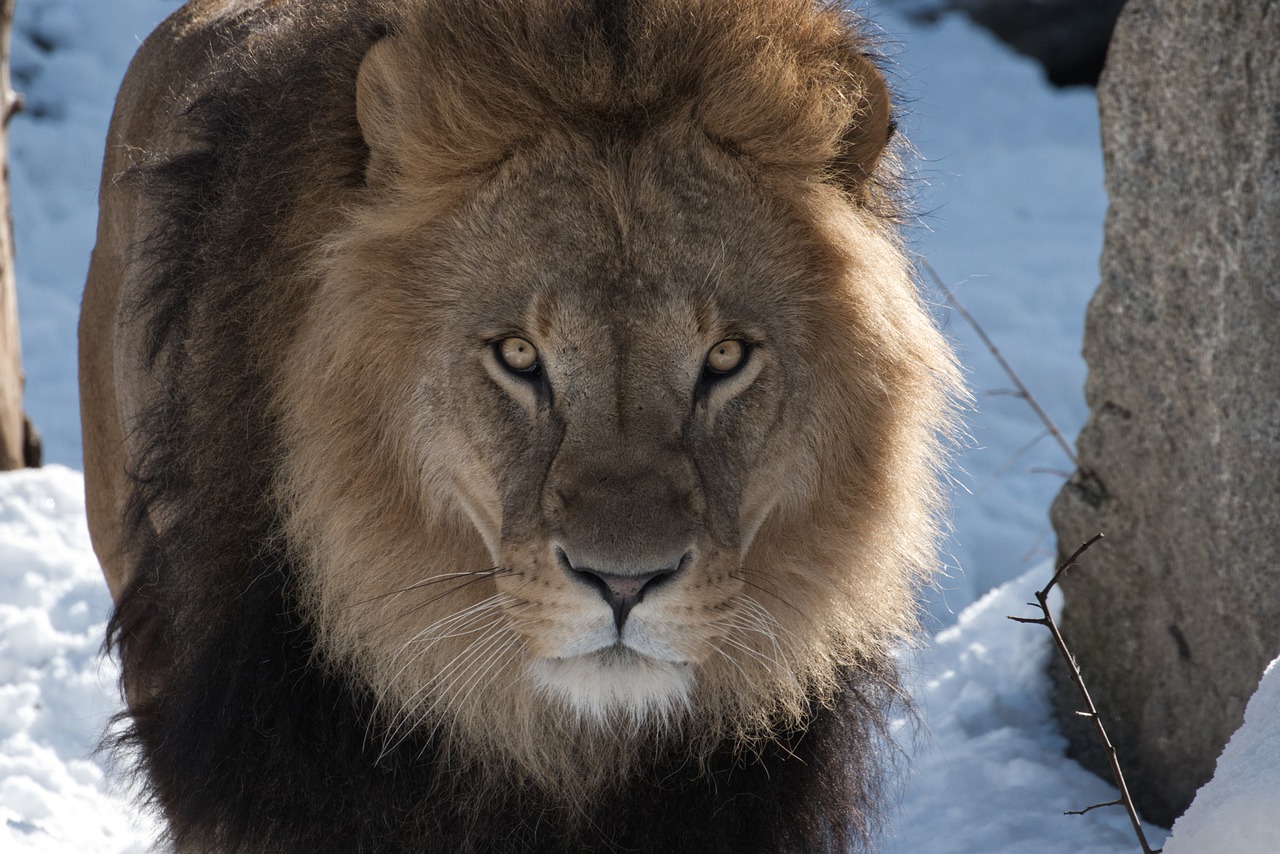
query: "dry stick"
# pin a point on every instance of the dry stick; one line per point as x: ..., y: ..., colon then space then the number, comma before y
x: 1022, y: 392
x: 1090, y: 711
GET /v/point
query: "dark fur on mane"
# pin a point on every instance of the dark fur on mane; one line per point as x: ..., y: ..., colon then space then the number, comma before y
x: 247, y: 740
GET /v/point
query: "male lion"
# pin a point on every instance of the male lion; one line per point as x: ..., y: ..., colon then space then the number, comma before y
x: 510, y: 425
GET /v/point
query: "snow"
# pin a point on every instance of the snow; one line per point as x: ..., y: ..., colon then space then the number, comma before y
x: 56, y: 690
x: 1014, y: 206
x: 1009, y: 182
x: 989, y: 775
x: 1236, y: 810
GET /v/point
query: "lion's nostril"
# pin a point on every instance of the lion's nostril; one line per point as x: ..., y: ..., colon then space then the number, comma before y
x: 621, y: 592
x: 632, y: 587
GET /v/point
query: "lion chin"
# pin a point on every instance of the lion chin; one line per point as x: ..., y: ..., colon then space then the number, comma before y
x: 616, y: 682
x: 510, y: 425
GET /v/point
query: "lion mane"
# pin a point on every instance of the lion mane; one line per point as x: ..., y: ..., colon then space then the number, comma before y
x: 510, y: 425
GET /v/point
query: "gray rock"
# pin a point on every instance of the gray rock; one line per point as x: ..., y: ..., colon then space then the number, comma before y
x: 1174, y: 616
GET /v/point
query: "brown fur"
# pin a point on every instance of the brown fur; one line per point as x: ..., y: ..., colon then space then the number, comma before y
x: 622, y: 189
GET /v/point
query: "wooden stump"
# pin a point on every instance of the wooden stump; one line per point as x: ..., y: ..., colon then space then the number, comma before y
x: 18, y: 444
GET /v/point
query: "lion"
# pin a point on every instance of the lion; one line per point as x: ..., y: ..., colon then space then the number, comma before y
x: 510, y: 425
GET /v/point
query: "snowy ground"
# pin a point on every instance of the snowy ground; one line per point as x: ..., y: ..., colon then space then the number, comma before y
x: 1010, y: 186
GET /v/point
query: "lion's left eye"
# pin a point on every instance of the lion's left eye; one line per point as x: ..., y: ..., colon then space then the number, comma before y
x: 726, y: 357
x: 518, y: 355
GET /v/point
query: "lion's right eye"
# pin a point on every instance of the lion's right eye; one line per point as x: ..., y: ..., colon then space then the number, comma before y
x: 725, y: 358
x: 518, y: 355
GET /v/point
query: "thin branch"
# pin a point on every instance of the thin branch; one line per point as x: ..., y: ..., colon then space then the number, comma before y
x: 1090, y: 711
x: 1062, y: 568
x: 1116, y: 803
x: 1009, y: 463
x: 1048, y: 470
x: 1022, y: 390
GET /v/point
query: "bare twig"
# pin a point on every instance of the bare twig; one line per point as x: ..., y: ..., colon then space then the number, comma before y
x: 1116, y: 803
x: 1022, y: 391
x: 1011, y: 461
x: 1090, y: 711
x: 1047, y: 470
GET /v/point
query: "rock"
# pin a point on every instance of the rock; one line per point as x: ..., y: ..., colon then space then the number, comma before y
x: 1067, y: 37
x: 1175, y: 615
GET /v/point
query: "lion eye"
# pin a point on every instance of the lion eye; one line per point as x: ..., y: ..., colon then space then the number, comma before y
x: 726, y: 357
x: 518, y: 355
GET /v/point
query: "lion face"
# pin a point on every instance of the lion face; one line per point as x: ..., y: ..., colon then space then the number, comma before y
x: 610, y: 374
x: 622, y: 393
x: 603, y: 389
x: 604, y: 428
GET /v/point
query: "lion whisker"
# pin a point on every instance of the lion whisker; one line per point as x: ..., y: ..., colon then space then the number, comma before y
x: 729, y: 658
x: 463, y: 622
x: 764, y: 659
x: 412, y: 702
x: 772, y: 593
x: 429, y: 580
x: 457, y: 617
x: 495, y: 658
x: 491, y: 629
x: 463, y: 674
x: 751, y: 622
x: 418, y: 606
x: 766, y: 619
x: 444, y: 683
x: 489, y: 603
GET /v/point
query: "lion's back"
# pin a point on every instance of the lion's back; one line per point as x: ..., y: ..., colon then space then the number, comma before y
x: 218, y: 105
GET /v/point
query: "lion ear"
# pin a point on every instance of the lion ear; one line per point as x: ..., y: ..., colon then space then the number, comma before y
x: 868, y: 134
x: 381, y: 94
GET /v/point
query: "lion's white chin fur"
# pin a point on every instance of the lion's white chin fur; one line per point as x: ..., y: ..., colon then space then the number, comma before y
x: 615, y: 685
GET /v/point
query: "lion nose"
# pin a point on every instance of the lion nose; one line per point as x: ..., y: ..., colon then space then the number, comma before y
x: 621, y: 592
